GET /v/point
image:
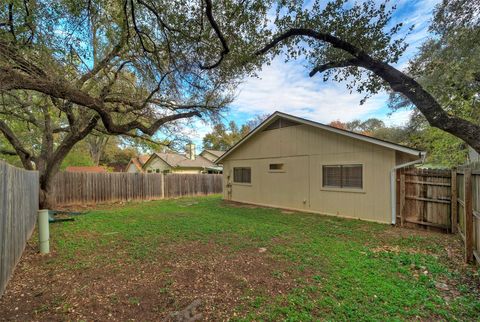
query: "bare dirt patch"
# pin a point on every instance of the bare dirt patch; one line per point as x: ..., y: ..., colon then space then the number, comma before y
x: 149, y: 290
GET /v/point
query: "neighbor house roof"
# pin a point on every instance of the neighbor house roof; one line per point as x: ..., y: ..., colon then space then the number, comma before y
x: 216, y: 153
x: 176, y: 160
x: 97, y: 169
x: 138, y: 161
x: 362, y: 137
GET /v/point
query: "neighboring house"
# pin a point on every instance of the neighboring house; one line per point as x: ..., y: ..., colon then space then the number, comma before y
x: 172, y: 162
x: 97, y: 169
x: 211, y: 155
x: 292, y: 163
x: 136, y: 164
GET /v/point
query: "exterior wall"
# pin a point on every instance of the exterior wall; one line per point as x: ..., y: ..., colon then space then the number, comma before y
x: 402, y: 158
x: 155, y: 164
x: 187, y: 170
x: 304, y: 150
x: 162, y: 166
x: 132, y: 168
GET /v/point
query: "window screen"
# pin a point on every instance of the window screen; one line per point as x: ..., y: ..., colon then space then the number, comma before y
x: 343, y: 176
x: 242, y: 175
x: 276, y: 166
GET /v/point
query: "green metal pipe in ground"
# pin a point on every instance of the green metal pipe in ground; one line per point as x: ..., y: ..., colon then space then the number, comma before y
x: 43, y: 231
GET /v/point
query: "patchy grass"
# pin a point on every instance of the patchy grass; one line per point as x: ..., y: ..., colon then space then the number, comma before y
x: 144, y: 261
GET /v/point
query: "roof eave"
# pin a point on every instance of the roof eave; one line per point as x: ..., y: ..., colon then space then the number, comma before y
x: 361, y: 137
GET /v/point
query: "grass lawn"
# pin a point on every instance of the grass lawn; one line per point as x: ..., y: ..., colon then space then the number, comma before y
x: 143, y: 261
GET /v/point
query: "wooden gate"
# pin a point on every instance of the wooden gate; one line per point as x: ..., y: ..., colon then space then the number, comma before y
x: 425, y: 197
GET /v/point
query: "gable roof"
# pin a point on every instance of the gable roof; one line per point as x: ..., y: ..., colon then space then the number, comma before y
x: 138, y: 162
x: 216, y: 153
x: 296, y: 119
x: 176, y: 160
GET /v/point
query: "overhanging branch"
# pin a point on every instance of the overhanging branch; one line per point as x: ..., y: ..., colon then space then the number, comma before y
x: 330, y: 65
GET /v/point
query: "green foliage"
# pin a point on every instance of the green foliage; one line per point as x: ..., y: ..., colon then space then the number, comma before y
x: 223, y: 137
x: 447, y: 66
x: 78, y: 156
x: 345, y: 269
x: 366, y: 25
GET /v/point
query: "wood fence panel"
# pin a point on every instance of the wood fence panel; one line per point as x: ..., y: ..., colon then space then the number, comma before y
x: 82, y: 188
x: 19, y: 191
x: 426, y: 197
x: 177, y: 185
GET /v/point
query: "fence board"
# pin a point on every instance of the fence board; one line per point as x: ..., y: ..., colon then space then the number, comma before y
x: 82, y: 188
x: 18, y: 209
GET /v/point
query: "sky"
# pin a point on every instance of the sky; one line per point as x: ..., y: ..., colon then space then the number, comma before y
x: 286, y: 87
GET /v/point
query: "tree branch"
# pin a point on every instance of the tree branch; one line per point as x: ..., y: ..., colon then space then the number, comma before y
x: 398, y: 81
x: 216, y: 28
x: 24, y: 155
x: 330, y: 65
x: 11, y: 79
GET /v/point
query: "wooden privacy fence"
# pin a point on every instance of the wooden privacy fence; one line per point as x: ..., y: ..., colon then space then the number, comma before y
x: 82, y: 188
x: 442, y: 199
x: 468, y: 208
x: 18, y: 211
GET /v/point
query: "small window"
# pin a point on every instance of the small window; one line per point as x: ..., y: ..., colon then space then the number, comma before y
x: 276, y: 166
x: 343, y: 176
x: 242, y: 175
x: 149, y: 171
x: 157, y: 170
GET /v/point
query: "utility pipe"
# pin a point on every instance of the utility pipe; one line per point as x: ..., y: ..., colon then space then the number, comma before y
x: 43, y: 231
x: 393, y: 181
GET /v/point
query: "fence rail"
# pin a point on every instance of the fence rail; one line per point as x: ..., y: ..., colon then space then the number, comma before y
x: 18, y: 210
x: 81, y: 188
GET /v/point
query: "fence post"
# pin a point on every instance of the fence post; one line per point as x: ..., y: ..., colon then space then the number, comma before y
x: 402, y: 199
x: 468, y: 215
x: 43, y: 231
x: 163, y: 186
x: 454, y: 201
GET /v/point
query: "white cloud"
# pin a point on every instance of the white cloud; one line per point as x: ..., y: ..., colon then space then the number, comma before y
x: 287, y: 87
x: 398, y: 118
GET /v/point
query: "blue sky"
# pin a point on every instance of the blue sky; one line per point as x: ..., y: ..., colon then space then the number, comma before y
x: 287, y: 87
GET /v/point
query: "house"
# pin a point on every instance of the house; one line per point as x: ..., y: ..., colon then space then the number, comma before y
x: 293, y: 163
x: 171, y: 162
x: 96, y: 169
x: 211, y: 155
x: 136, y: 164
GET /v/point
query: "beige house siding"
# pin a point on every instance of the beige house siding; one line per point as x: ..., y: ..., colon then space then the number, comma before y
x: 132, y: 168
x: 187, y: 170
x: 303, y: 149
x: 156, y: 164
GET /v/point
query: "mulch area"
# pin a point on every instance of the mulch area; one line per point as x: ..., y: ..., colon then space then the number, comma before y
x: 218, y: 279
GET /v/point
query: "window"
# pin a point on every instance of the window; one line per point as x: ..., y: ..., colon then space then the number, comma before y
x: 157, y: 170
x: 276, y: 166
x: 343, y: 176
x: 242, y: 175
